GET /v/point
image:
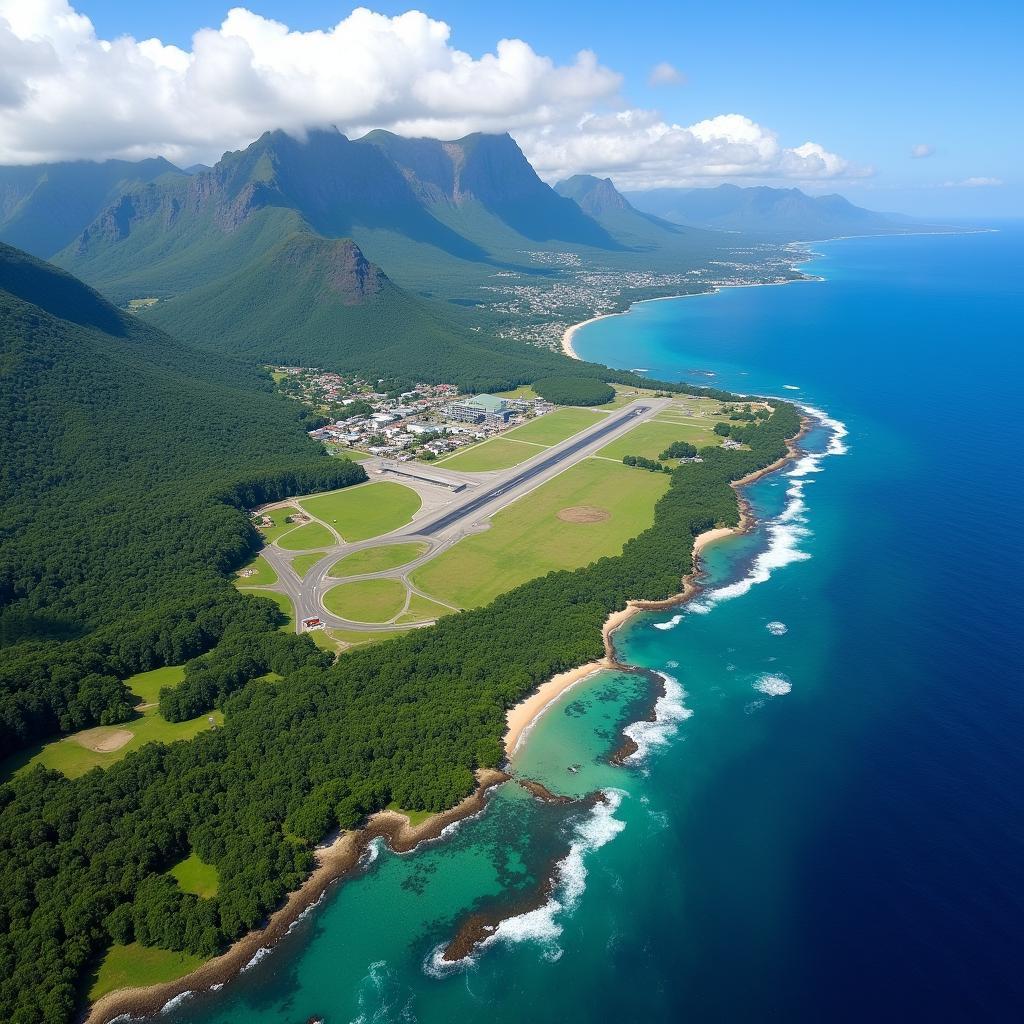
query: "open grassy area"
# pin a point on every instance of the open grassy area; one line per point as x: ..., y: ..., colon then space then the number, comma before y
x: 358, y: 513
x: 528, y: 538
x: 497, y: 453
x: 303, y: 563
x: 624, y: 394
x: 555, y: 426
x: 415, y: 817
x: 356, y: 638
x: 650, y: 439
x: 283, y: 601
x: 195, y: 875
x: 387, y: 556
x: 366, y: 600
x: 305, y: 538
x: 73, y: 755
x: 422, y: 610
x: 136, y: 965
x: 280, y: 517
x: 147, y: 685
x: 262, y: 576
x: 523, y: 391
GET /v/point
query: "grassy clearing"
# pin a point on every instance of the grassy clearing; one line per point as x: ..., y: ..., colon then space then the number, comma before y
x: 422, y: 610
x: 497, y: 453
x: 305, y: 538
x: 387, y: 556
x: 263, y: 575
x: 280, y: 517
x: 355, y: 638
x: 283, y: 601
x: 650, y: 439
x: 625, y: 394
x: 527, y: 539
x: 324, y: 640
x: 136, y: 965
x: 555, y: 426
x: 523, y: 391
x: 147, y: 685
x: 358, y: 513
x: 196, y: 876
x: 366, y: 600
x: 303, y: 563
x: 72, y: 755
x: 415, y: 817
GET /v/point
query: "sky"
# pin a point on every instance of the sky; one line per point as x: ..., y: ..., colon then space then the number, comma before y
x: 904, y: 105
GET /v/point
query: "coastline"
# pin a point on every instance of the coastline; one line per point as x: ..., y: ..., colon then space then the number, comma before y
x: 341, y: 856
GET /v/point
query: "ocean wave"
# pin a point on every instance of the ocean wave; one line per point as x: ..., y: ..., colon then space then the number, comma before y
x: 791, y: 387
x: 671, y: 624
x: 180, y: 998
x: 777, y: 628
x: 669, y: 711
x: 257, y: 957
x: 773, y: 685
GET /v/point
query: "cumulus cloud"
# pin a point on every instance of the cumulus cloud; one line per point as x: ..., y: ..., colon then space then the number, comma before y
x: 974, y: 183
x: 639, y: 149
x: 922, y: 150
x: 665, y: 74
x: 65, y: 93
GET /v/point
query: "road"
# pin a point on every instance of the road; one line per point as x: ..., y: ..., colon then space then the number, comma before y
x: 466, y: 513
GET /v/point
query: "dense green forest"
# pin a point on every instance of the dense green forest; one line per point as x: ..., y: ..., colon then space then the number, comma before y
x: 82, y: 861
x: 571, y: 390
x: 126, y: 461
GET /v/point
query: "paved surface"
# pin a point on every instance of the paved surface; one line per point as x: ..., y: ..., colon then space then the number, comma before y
x: 445, y: 517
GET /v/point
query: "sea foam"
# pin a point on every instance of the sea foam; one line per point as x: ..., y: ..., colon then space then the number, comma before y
x: 777, y: 628
x: 669, y: 711
x: 773, y: 685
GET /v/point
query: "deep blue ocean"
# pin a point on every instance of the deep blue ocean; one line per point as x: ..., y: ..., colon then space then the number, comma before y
x: 827, y: 821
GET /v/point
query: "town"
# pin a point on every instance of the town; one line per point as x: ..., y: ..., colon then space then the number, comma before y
x: 426, y: 422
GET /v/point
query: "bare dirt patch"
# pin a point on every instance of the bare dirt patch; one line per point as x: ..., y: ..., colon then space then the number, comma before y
x: 104, y: 741
x: 584, y: 514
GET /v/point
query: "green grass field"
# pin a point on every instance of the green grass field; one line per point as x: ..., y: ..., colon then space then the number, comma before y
x: 354, y: 638
x: 279, y: 516
x: 523, y: 391
x: 555, y: 426
x: 415, y: 817
x: 71, y: 756
x: 137, y: 965
x: 497, y: 453
x: 196, y: 876
x: 422, y: 610
x: 305, y: 538
x: 358, y: 513
x: 624, y: 395
x: 303, y: 563
x: 283, y: 601
x: 262, y: 577
x: 387, y: 556
x: 527, y: 539
x: 147, y: 685
x: 650, y: 439
x: 366, y: 600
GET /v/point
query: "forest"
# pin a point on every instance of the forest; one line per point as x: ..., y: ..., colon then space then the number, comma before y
x: 574, y: 390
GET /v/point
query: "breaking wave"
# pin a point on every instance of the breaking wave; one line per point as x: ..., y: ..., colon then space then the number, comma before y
x: 180, y: 998
x: 541, y: 926
x: 669, y: 711
x: 773, y: 685
x: 777, y: 628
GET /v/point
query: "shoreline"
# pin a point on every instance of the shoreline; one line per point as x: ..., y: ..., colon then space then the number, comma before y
x: 341, y: 856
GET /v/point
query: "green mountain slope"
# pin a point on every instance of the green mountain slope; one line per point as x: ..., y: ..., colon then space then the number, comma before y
x: 45, y: 207
x: 121, y: 453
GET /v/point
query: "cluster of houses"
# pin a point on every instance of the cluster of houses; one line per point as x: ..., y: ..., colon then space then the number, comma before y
x: 428, y: 422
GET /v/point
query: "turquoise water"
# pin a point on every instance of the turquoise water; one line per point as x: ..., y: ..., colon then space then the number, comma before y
x: 826, y: 822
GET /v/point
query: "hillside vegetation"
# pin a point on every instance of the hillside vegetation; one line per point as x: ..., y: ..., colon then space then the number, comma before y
x: 126, y: 459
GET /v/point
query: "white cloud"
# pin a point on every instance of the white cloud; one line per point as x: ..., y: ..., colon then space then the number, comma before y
x: 666, y: 74
x: 974, y: 183
x: 65, y: 93
x: 639, y: 149
x: 922, y: 150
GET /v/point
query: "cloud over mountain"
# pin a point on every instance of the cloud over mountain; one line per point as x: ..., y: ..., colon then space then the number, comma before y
x: 65, y: 93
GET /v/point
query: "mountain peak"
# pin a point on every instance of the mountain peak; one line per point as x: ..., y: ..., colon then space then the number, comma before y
x: 593, y: 195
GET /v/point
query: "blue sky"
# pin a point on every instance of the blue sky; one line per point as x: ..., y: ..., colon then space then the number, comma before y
x: 865, y: 82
